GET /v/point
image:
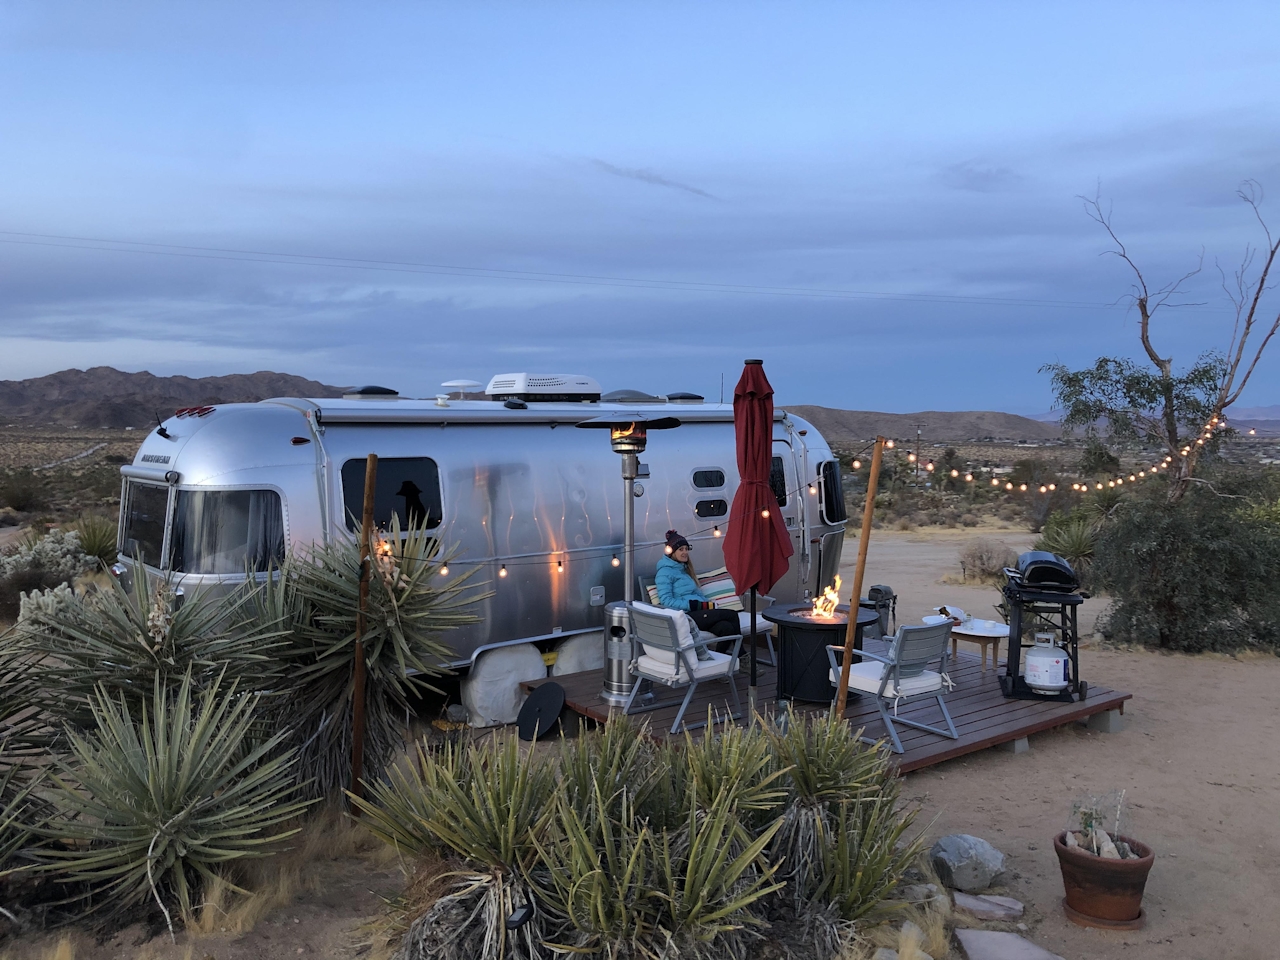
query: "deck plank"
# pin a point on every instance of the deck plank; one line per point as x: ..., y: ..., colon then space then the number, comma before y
x: 982, y: 715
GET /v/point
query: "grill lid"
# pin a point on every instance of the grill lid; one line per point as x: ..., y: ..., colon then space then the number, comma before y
x: 1048, y: 571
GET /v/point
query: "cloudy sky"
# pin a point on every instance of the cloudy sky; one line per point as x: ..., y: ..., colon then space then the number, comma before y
x: 881, y: 200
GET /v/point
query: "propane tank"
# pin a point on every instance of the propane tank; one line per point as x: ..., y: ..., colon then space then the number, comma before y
x: 1046, y: 665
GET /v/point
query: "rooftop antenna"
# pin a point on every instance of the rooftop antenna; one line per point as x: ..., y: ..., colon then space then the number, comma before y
x: 160, y: 426
x: 722, y: 388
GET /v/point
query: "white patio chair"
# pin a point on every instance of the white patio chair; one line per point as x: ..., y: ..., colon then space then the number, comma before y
x: 648, y: 588
x: 901, y: 675
x: 674, y: 652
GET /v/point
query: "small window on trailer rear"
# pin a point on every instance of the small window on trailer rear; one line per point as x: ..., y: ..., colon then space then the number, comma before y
x: 408, y: 487
x: 833, y: 510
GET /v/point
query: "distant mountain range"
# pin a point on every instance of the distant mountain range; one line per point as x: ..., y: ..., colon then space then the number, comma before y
x: 935, y: 425
x: 106, y: 397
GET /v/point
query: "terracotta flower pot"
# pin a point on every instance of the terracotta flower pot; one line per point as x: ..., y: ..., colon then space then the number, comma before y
x: 1102, y: 892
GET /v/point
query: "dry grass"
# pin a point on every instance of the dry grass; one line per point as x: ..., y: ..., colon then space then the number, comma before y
x: 276, y: 881
x: 916, y: 931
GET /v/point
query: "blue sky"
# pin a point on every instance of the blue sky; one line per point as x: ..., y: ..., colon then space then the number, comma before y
x: 881, y: 200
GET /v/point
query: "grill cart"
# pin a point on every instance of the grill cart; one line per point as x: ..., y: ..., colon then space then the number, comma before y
x: 1043, y: 593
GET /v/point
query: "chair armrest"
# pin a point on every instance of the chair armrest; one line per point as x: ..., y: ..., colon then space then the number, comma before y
x: 866, y: 655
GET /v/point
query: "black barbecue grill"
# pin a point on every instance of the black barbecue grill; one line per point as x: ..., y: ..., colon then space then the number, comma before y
x: 1042, y: 593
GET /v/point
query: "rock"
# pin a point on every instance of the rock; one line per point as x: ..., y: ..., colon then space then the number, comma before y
x: 998, y: 945
x: 1071, y: 839
x: 989, y: 907
x: 884, y: 953
x: 966, y: 863
x: 916, y: 892
x: 1124, y: 850
x: 456, y: 713
x: 1102, y: 843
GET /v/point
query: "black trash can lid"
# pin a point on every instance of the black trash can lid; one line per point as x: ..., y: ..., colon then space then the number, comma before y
x: 540, y: 714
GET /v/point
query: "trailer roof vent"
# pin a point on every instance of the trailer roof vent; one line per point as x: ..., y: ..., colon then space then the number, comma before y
x: 543, y: 388
x: 630, y: 396
x: 684, y: 398
x: 370, y: 393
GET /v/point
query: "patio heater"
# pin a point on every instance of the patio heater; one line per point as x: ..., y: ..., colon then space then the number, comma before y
x: 628, y: 434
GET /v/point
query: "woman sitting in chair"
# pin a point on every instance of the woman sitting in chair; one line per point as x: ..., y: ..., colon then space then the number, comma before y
x: 677, y: 585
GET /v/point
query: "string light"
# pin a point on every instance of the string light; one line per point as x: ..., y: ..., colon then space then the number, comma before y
x: 1053, y: 486
x: 995, y: 482
x: 857, y: 464
x: 559, y: 566
x: 444, y: 570
x: 502, y: 571
x: 716, y: 531
x: 955, y: 473
x: 812, y: 489
x: 1044, y: 489
x: 615, y: 561
x: 889, y: 444
x: 765, y: 513
x: 667, y: 550
x: 1008, y: 486
x: 1022, y: 487
x: 911, y: 457
x: 968, y: 478
x: 929, y: 466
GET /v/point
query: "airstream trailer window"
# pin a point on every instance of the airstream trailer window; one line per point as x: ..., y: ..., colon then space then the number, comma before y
x: 144, y: 515
x: 226, y: 531
x: 711, y: 508
x: 833, y: 510
x: 709, y: 479
x: 409, y: 487
x: 778, y: 481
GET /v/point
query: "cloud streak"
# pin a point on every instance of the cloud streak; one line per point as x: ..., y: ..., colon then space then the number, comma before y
x: 648, y: 176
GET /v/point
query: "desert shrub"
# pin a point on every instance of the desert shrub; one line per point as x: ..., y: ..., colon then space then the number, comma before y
x: 58, y: 553
x: 22, y: 491
x: 151, y: 807
x: 1198, y: 575
x: 1097, y: 460
x: 986, y: 559
x: 969, y: 520
x: 97, y: 535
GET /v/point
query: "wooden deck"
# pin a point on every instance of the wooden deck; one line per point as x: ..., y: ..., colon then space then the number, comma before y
x: 983, y: 717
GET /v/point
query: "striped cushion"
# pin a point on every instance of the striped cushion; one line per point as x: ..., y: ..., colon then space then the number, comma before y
x: 718, y: 588
x: 652, y: 590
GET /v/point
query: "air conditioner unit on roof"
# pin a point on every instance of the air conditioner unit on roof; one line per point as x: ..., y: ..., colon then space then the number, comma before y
x: 544, y: 388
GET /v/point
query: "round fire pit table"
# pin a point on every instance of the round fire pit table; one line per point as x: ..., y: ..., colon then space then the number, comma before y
x: 802, y: 648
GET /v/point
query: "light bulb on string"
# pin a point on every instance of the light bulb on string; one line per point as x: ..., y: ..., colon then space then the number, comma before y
x: 667, y: 550
x: 812, y: 489
x: 1099, y: 485
x: 1132, y: 478
x: 1044, y: 489
x: 889, y: 444
x: 968, y: 478
x: 1252, y: 432
x: 502, y: 571
x: 1008, y: 486
x: 765, y: 513
x: 955, y: 473
x: 716, y: 531
x: 1111, y: 483
x: 444, y: 570
x: 929, y: 466
x: 857, y: 464
x: 559, y: 566
x: 1053, y: 486
x: 1119, y: 481
x: 911, y: 457
x: 1022, y: 487
x: 615, y: 561
x: 995, y: 482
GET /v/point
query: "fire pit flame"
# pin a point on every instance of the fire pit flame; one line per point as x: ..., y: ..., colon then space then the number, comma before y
x: 825, y: 605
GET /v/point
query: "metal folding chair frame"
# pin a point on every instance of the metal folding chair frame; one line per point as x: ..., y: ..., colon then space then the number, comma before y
x: 911, y: 653
x: 647, y: 630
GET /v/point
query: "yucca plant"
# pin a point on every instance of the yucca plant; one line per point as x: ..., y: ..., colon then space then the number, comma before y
x: 617, y: 762
x: 1074, y: 538
x: 410, y: 606
x: 865, y: 856
x: 484, y: 810
x: 827, y: 768
x: 595, y: 875
x: 125, y: 642
x: 97, y: 537
x: 738, y: 761
x: 152, y: 807
x: 707, y: 888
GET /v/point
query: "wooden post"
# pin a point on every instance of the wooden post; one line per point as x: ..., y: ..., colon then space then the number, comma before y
x: 358, y: 680
x: 851, y: 631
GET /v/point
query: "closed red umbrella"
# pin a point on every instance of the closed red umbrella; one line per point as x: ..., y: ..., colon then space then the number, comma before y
x: 756, y: 544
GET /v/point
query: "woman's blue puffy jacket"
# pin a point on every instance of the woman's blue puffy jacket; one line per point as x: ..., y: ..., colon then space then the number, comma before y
x: 675, y: 587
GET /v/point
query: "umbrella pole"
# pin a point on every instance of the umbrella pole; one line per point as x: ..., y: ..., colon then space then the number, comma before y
x: 851, y: 631
x: 751, y: 689
x: 358, y: 668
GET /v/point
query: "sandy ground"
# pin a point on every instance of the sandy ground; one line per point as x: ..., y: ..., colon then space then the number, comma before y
x: 1199, y: 759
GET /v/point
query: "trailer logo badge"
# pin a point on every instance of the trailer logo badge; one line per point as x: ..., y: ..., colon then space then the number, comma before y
x: 155, y: 458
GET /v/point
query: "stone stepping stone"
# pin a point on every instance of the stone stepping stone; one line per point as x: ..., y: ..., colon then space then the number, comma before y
x: 988, y: 906
x: 997, y: 945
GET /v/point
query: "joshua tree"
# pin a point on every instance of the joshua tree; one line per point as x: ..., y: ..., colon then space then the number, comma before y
x: 1183, y: 411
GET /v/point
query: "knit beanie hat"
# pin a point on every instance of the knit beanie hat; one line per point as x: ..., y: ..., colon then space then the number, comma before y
x: 675, y: 541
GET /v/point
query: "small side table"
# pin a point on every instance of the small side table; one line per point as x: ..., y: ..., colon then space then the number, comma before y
x: 984, y: 632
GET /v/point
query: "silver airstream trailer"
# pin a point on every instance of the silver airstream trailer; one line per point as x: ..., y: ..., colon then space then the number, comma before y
x: 532, y: 504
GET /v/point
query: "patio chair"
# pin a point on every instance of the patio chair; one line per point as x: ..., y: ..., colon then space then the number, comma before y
x: 902, y: 674
x: 739, y: 605
x: 674, y: 652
